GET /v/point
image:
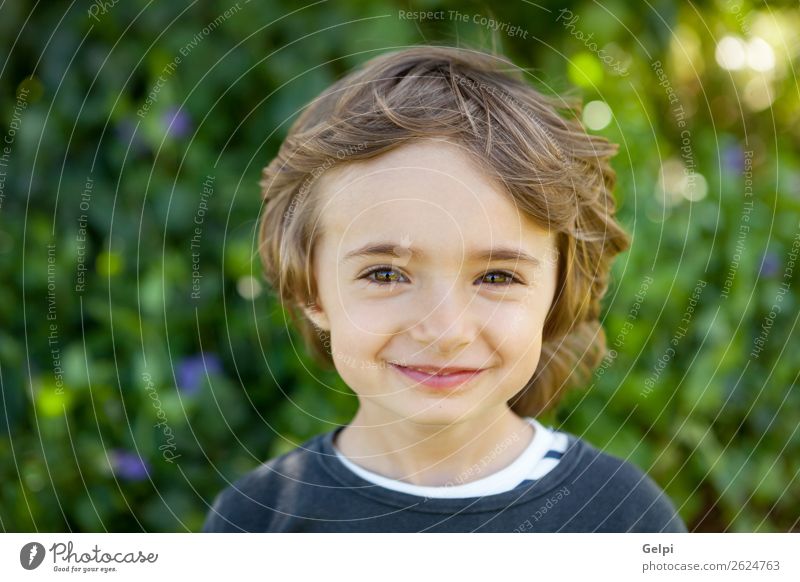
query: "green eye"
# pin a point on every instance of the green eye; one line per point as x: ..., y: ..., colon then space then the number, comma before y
x: 383, y: 276
x: 505, y: 277
x: 388, y: 276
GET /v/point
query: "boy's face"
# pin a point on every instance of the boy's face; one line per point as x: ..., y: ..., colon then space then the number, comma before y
x: 432, y: 299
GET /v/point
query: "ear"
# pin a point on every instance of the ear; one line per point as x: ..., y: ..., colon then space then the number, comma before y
x: 317, y: 315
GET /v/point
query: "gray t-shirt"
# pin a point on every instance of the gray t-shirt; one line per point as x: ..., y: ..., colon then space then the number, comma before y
x: 309, y: 489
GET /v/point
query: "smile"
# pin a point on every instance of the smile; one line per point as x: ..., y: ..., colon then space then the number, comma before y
x: 436, y: 380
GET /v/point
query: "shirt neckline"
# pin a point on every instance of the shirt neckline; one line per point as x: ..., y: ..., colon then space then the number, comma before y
x: 516, y: 472
x: 525, y: 492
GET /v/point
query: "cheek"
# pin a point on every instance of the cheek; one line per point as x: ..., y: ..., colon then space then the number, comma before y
x: 517, y: 325
x: 516, y: 337
x: 369, y: 318
x: 358, y: 369
x: 518, y: 342
x: 358, y: 331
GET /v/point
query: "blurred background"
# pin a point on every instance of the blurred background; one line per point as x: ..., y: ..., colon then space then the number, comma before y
x: 143, y: 363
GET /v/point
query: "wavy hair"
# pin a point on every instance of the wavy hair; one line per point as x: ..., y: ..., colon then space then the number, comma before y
x: 532, y: 143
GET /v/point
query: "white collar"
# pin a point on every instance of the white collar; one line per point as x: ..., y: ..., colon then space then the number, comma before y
x: 503, y: 480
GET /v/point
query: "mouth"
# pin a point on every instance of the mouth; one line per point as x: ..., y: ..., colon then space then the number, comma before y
x: 436, y: 370
x: 437, y: 377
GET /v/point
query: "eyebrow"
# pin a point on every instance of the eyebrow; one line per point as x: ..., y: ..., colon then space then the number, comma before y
x: 391, y: 249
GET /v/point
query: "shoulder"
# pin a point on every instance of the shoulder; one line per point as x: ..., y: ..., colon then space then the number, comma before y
x: 253, y: 501
x: 620, y: 496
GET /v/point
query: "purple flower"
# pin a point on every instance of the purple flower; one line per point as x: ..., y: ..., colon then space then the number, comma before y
x: 769, y: 264
x: 192, y: 370
x: 177, y: 122
x: 733, y: 158
x: 129, y: 466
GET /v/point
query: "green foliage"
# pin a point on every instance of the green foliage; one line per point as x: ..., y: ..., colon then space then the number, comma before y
x: 130, y: 402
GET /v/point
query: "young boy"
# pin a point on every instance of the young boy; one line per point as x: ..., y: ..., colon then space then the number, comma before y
x: 445, y: 236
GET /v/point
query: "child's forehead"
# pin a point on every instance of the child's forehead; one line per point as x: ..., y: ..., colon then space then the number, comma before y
x: 435, y: 155
x: 425, y: 206
x: 419, y: 174
x: 422, y: 198
x: 434, y: 224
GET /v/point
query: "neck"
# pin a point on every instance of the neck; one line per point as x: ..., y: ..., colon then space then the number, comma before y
x: 434, y: 454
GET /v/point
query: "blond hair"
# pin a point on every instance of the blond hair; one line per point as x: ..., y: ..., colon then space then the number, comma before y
x: 555, y: 172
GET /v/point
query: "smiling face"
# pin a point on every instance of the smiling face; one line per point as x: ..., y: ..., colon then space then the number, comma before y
x: 404, y: 276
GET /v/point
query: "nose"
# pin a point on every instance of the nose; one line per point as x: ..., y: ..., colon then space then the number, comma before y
x: 443, y: 319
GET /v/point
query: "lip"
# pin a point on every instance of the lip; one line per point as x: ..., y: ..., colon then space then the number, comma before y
x: 456, y: 377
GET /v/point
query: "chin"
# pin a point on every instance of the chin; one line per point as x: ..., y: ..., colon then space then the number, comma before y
x: 440, y: 414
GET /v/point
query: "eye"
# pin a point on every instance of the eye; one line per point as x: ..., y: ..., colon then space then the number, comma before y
x: 383, y: 276
x: 500, y: 278
x: 386, y: 276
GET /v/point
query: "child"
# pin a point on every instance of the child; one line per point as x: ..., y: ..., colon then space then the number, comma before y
x: 445, y: 236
